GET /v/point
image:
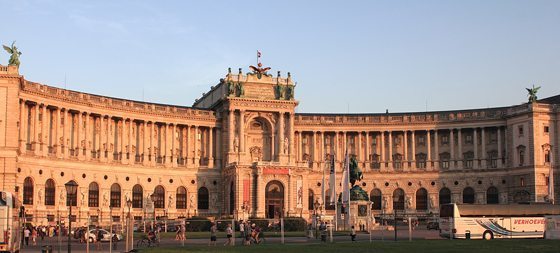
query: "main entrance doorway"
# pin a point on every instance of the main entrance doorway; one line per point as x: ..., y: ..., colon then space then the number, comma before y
x: 274, y: 199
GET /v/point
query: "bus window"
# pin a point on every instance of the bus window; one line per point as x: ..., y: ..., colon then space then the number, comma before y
x: 446, y: 211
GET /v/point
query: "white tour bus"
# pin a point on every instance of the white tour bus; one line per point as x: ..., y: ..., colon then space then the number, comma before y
x: 466, y: 221
x: 10, y: 224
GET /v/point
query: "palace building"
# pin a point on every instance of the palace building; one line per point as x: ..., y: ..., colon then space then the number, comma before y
x: 241, y: 151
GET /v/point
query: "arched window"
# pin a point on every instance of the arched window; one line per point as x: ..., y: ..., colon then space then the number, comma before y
x: 159, y: 193
x: 311, y: 200
x: 115, y: 195
x: 137, y: 196
x: 28, y: 191
x: 444, y: 196
x: 375, y: 197
x: 181, y: 198
x: 203, y: 198
x: 93, y: 195
x: 421, y: 199
x: 49, y: 192
x: 468, y: 195
x: 492, y: 195
x: 398, y: 199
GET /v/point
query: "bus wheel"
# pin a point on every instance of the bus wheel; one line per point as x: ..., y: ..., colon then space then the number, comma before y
x: 488, y: 235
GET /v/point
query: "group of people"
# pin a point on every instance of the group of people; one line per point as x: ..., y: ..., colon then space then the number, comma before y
x: 250, y: 234
x: 30, y: 233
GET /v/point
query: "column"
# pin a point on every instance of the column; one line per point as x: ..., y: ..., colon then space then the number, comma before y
x: 125, y: 145
x: 58, y: 130
x: 321, y: 149
x: 475, y: 143
x: 210, y: 147
x: 66, y: 132
x: 405, y: 149
x: 499, y: 137
x: 390, y: 148
x: 429, y: 149
x: 131, y: 141
x: 242, y: 131
x: 174, y: 146
x: 281, y: 134
x: 101, y: 143
x: 382, y: 146
x: 80, y: 143
x: 145, y: 142
x: 359, y: 151
x: 167, y: 145
x: 87, y: 136
x: 313, y: 148
x: 218, y: 155
x: 187, y: 147
x: 335, y: 147
x: 452, y: 144
x: 230, y: 132
x: 36, y: 139
x: 366, y: 149
x: 196, y: 152
x: 436, y: 149
x: 460, y: 148
x: 153, y: 153
x: 301, y: 146
x: 22, y: 126
x: 413, y: 148
x: 483, y: 148
x: 45, y: 131
x: 291, y: 133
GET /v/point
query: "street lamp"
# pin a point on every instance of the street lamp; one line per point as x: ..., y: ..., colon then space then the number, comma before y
x: 128, y: 227
x: 153, y: 198
x: 71, y: 189
x: 316, y: 206
x: 395, y: 200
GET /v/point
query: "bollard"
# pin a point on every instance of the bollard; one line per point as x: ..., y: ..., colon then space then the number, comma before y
x: 282, y: 229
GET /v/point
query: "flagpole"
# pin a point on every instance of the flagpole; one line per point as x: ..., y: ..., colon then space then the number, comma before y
x: 335, y: 195
x: 551, y: 178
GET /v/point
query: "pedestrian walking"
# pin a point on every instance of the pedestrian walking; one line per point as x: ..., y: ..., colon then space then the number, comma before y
x: 242, y: 230
x: 353, y: 234
x: 34, y: 236
x: 98, y: 236
x: 213, y: 231
x: 26, y: 234
x: 229, y: 235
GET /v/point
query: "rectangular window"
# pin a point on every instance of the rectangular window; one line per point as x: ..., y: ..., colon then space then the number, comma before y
x: 445, y: 164
x: 50, y: 218
x: 468, y: 139
x: 546, y: 129
x: 445, y: 139
x: 116, y: 218
x: 94, y: 218
x: 421, y: 140
x: 520, y: 130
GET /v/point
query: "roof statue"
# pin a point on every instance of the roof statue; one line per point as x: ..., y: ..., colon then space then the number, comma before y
x: 533, y: 93
x: 15, y: 53
x: 259, y: 70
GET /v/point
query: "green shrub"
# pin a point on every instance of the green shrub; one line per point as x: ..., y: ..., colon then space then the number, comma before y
x: 198, y: 224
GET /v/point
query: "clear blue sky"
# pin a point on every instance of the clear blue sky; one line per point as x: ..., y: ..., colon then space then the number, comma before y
x: 357, y: 56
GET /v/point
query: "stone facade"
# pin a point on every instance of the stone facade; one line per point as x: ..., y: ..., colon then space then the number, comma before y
x: 241, y: 150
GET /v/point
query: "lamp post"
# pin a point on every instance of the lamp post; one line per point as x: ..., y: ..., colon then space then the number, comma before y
x: 316, y: 206
x: 395, y: 200
x: 128, y: 226
x: 153, y: 199
x: 71, y: 188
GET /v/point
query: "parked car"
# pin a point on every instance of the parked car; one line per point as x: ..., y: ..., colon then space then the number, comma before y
x: 432, y: 225
x: 106, y: 235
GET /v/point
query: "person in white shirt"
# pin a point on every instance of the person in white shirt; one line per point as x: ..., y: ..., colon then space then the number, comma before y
x: 26, y: 234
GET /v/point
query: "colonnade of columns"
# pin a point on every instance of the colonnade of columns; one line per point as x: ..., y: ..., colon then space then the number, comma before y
x: 457, y: 148
x: 57, y: 131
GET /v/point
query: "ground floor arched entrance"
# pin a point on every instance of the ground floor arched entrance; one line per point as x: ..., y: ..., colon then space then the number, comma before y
x: 274, y: 199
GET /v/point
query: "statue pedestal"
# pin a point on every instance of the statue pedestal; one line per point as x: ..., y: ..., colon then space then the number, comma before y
x: 359, y: 215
